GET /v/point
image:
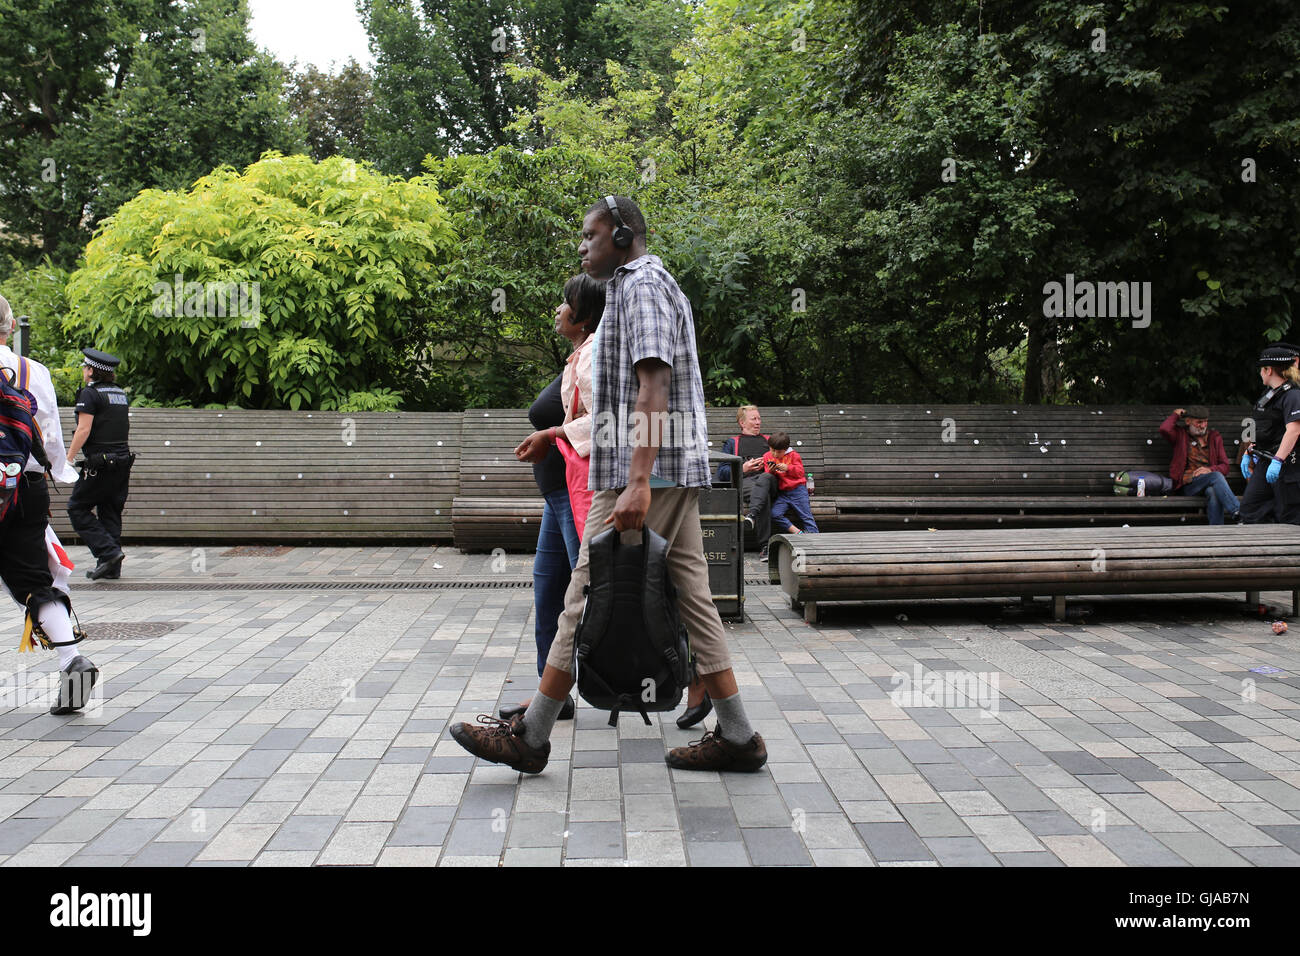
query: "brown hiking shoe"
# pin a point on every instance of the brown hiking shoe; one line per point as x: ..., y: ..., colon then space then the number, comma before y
x: 502, y: 741
x: 713, y: 752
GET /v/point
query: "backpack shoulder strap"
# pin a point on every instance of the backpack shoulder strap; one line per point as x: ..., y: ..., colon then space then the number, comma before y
x: 600, y: 594
x: 24, y: 373
x: 659, y: 599
x: 655, y: 575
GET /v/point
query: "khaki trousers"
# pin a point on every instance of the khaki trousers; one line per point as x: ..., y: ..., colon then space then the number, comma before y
x: 674, y: 515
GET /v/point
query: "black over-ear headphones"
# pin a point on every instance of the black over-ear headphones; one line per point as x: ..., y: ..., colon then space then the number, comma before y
x: 622, y: 234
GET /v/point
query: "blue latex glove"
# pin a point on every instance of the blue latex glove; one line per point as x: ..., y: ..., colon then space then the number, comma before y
x: 1274, y: 469
x: 1245, y: 466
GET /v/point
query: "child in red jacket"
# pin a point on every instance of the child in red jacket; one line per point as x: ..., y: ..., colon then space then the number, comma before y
x: 792, y: 485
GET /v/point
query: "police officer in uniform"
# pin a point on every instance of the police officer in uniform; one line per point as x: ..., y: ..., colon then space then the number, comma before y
x: 1270, y: 462
x: 102, y: 428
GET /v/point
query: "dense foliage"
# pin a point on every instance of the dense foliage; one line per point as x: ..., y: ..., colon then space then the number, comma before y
x: 864, y: 200
x: 288, y: 285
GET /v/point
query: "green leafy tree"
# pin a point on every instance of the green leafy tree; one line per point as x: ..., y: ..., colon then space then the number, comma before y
x: 292, y: 284
x: 331, y: 109
x: 442, y: 83
x: 1172, y: 129
x: 102, y: 100
x: 489, y: 339
x: 39, y: 294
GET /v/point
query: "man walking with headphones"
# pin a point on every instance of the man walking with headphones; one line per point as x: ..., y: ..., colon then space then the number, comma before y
x: 649, y: 460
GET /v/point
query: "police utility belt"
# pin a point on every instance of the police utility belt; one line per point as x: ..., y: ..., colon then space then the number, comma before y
x: 93, y: 464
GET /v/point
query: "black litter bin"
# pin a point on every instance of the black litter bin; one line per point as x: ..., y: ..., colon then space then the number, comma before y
x: 724, y: 540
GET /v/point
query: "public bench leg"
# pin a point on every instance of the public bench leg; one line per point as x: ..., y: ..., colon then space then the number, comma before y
x: 810, y: 612
x: 1252, y: 600
x: 1058, y: 607
x: 1295, y: 603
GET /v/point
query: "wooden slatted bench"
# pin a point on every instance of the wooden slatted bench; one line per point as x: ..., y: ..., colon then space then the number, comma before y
x: 245, y: 475
x: 906, y: 565
x: 497, y: 504
x: 941, y: 466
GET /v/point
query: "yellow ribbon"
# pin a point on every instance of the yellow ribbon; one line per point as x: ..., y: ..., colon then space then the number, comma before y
x: 27, y: 644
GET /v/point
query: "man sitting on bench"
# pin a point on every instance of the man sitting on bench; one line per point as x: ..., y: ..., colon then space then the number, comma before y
x: 1199, y: 465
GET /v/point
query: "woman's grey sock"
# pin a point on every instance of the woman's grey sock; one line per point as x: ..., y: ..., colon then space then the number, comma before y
x: 732, y: 722
x: 540, y: 718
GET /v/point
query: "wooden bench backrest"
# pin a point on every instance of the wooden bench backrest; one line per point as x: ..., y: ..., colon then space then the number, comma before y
x: 996, y: 449
x: 488, y: 467
x: 243, y: 474
x: 248, y: 475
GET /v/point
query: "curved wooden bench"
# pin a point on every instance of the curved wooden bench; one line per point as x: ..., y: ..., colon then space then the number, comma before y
x: 904, y: 565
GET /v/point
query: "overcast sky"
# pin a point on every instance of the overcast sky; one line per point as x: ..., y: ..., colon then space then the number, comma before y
x: 323, y: 32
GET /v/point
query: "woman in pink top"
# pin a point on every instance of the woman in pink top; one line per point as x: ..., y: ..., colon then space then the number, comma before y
x: 576, y: 318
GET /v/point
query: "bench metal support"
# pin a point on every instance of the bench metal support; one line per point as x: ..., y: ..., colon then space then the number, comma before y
x: 810, y: 612
x: 1252, y: 600
x: 1058, y: 607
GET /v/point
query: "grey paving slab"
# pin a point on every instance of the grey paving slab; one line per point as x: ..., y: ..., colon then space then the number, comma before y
x: 775, y: 846
x: 1139, y: 848
x: 960, y: 851
x: 595, y: 840
x: 718, y: 854
x: 304, y: 832
x: 891, y: 842
x: 308, y: 727
x: 709, y: 824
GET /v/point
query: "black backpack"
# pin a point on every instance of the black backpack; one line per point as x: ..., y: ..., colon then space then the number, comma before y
x: 630, y: 649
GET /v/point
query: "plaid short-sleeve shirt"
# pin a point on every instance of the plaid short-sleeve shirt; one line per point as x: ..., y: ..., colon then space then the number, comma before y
x: 646, y: 316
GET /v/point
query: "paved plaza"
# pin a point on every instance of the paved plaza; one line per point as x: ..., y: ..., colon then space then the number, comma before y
x: 289, y: 707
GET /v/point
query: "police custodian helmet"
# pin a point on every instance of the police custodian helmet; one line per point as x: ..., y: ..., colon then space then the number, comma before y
x: 101, y: 360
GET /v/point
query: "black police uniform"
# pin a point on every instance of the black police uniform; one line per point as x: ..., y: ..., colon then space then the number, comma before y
x: 1279, y: 502
x: 106, y: 472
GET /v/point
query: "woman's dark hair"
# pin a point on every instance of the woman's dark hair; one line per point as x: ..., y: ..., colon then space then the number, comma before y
x: 586, y: 297
x: 100, y: 375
